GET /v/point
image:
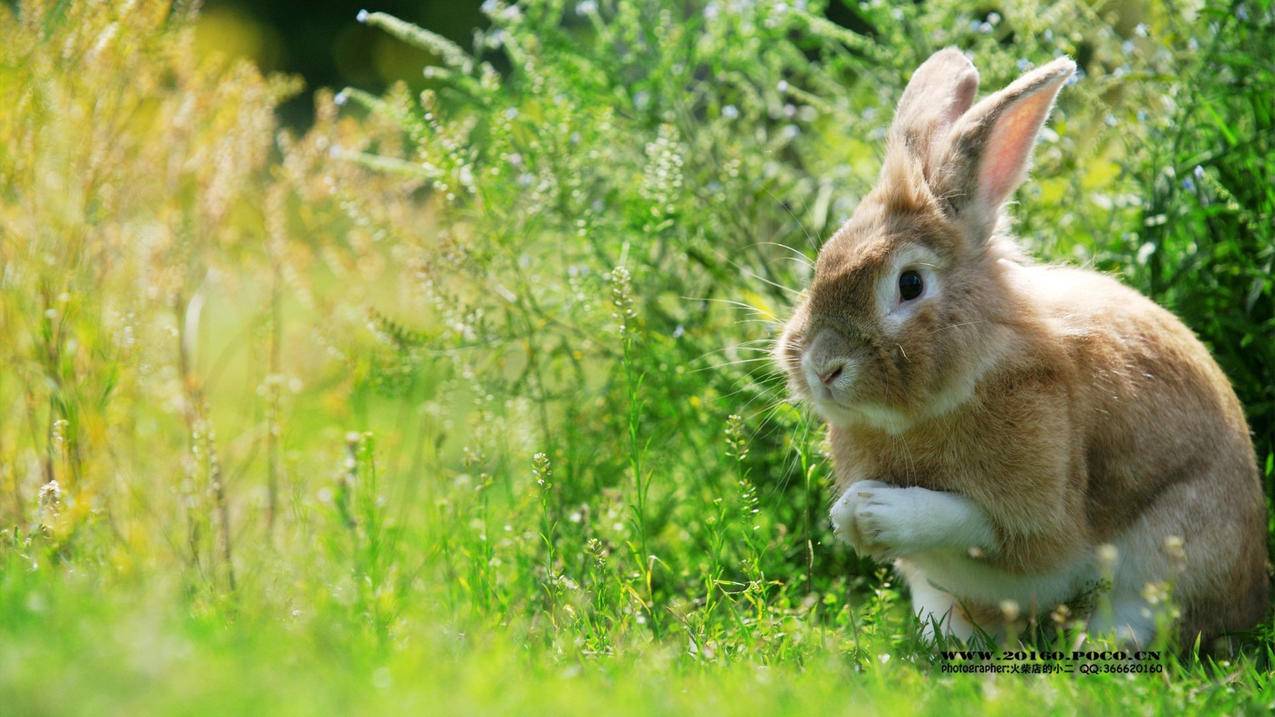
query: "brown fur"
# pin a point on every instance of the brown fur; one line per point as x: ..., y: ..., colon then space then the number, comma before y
x: 1096, y: 408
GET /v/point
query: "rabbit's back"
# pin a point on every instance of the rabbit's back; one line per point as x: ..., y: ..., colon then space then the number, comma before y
x: 1162, y: 430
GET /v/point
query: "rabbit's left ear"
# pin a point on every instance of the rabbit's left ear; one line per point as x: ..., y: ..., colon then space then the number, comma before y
x: 990, y: 145
x: 940, y: 91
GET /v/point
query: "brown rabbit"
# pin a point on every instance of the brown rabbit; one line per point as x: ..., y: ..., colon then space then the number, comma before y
x: 1008, y: 431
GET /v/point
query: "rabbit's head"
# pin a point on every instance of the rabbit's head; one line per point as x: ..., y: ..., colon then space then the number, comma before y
x: 909, y: 304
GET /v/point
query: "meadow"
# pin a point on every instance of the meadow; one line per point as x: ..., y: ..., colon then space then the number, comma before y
x: 460, y: 402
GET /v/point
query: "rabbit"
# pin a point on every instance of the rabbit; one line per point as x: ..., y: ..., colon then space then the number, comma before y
x: 1014, y: 435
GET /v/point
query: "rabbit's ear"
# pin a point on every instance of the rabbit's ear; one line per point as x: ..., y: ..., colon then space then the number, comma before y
x: 940, y: 91
x: 990, y: 145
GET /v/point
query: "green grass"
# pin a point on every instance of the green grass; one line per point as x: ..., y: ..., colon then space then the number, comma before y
x: 459, y: 402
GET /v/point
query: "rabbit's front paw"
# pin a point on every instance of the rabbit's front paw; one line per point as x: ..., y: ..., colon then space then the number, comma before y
x: 886, y: 521
x: 877, y: 519
x: 874, y: 517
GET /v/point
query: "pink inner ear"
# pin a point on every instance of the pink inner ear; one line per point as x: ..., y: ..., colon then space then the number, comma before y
x: 1009, y: 146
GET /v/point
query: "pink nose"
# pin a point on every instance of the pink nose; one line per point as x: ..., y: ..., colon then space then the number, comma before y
x: 831, y: 373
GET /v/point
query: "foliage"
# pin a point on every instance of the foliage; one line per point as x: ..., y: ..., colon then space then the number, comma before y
x: 463, y: 398
x: 1206, y: 244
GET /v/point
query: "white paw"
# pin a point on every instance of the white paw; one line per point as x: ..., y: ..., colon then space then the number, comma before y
x: 887, y: 519
x: 887, y: 522
x: 877, y: 519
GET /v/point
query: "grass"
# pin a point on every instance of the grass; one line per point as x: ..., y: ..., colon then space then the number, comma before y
x: 459, y: 401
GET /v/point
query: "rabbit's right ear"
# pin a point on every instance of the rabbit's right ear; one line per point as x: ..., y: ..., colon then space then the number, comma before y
x: 989, y: 149
x: 940, y: 91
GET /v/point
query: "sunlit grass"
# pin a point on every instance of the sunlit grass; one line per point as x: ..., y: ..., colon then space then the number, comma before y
x: 460, y: 402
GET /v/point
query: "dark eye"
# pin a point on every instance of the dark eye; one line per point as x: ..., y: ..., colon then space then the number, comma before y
x: 910, y: 285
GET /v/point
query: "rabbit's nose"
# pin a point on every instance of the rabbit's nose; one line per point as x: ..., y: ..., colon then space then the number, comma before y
x: 832, y: 370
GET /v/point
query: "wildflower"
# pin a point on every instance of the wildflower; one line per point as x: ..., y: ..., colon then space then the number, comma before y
x: 662, y: 179
x: 1107, y: 557
x: 730, y: 112
x: 58, y: 437
x: 50, y: 496
x: 1155, y: 592
x: 349, y: 478
x: 1010, y: 610
x: 596, y: 550
x: 1175, y: 549
x: 622, y: 298
x: 588, y: 7
x: 541, y: 470
x: 736, y: 441
x: 1144, y: 252
x: 1060, y: 615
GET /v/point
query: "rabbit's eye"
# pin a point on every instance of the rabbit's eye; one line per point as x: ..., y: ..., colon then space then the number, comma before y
x: 910, y: 285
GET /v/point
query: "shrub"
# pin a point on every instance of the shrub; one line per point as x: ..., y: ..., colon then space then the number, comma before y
x: 128, y: 169
x: 1204, y: 240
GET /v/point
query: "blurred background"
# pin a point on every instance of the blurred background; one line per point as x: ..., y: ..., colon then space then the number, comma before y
x: 321, y: 41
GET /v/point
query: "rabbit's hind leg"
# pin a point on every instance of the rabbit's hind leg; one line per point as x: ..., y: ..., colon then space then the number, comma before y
x: 937, y: 610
